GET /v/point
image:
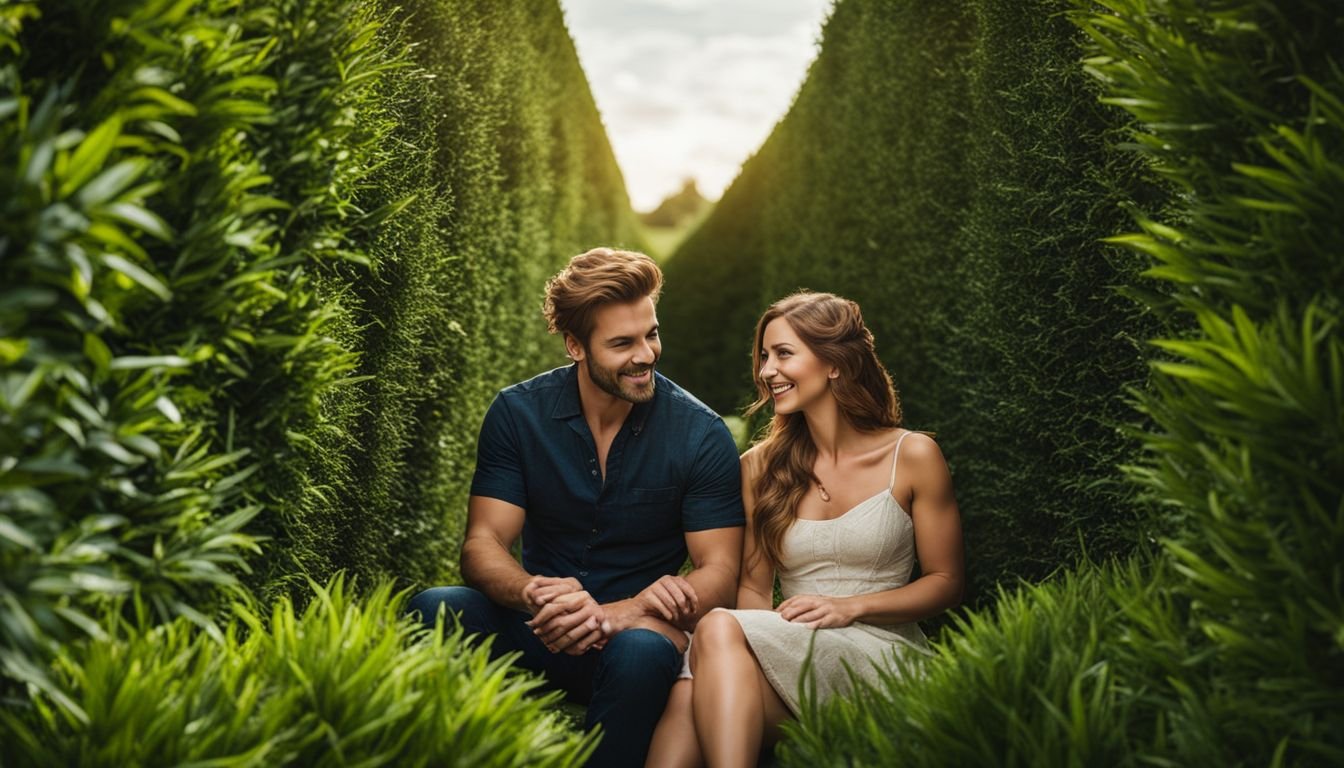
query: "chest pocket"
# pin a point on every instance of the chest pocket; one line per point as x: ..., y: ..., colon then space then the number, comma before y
x: 654, y: 513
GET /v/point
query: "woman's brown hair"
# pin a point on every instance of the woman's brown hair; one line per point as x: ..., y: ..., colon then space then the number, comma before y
x: 832, y: 328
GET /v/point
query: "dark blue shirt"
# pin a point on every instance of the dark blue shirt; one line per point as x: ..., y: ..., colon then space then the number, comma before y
x: 672, y: 469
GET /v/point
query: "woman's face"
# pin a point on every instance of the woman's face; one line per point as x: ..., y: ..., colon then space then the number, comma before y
x: 797, y: 378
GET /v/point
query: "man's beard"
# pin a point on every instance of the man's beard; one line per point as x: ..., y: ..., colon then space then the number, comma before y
x: 609, y: 381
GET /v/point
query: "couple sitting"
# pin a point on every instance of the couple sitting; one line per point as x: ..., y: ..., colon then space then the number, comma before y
x: 612, y: 474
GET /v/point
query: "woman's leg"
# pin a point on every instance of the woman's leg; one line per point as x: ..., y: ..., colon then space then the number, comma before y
x: 733, y: 705
x: 674, y: 744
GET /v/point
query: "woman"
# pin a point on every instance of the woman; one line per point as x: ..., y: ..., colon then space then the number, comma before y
x: 839, y: 501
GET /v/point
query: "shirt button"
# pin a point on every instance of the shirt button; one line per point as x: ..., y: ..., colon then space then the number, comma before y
x: 594, y: 530
x: 583, y: 573
x: 594, y: 473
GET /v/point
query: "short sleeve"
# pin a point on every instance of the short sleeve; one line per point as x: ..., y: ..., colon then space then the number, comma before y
x: 713, y: 499
x: 499, y: 465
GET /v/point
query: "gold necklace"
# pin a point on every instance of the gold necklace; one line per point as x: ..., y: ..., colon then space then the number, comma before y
x: 821, y: 489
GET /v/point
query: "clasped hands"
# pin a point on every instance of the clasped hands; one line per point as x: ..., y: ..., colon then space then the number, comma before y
x: 568, y: 620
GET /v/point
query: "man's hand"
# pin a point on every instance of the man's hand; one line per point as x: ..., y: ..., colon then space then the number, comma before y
x: 816, y: 611
x: 572, y: 623
x: 540, y: 590
x: 670, y: 598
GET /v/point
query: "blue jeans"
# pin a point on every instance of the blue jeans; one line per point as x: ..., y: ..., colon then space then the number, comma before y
x: 625, y: 685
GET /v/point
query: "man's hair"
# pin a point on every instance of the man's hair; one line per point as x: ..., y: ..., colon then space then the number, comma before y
x: 590, y: 280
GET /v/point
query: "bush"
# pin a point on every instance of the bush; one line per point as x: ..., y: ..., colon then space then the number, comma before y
x: 1242, y: 108
x: 262, y: 268
x: 343, y: 681
x: 1223, y: 647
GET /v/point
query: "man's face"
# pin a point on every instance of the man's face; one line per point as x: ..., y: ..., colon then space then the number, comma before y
x: 622, y: 349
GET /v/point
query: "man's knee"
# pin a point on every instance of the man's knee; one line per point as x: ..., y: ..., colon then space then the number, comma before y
x: 640, y: 654
x: 453, y: 602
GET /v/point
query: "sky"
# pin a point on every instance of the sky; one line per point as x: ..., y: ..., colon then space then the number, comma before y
x: 691, y: 88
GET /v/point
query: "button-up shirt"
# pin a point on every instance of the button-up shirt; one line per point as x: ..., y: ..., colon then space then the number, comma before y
x: 671, y: 469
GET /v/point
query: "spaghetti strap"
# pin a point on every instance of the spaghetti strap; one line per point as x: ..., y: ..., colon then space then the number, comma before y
x: 895, y: 455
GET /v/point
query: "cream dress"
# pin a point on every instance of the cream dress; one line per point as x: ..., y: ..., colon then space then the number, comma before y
x: 869, y: 548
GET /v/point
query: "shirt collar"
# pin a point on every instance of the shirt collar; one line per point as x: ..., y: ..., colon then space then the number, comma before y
x: 567, y: 404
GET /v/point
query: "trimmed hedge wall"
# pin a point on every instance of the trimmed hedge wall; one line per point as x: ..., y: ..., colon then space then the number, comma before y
x: 1223, y: 646
x: 948, y: 167
x: 261, y: 268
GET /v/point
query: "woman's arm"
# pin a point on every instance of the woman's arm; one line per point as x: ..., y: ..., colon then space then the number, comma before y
x: 756, y: 586
x: 933, y: 507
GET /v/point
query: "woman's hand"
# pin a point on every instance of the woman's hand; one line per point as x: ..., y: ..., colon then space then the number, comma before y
x: 816, y: 611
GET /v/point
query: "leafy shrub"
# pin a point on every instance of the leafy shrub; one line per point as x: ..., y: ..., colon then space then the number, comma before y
x: 1224, y: 647
x: 343, y: 681
x: 1241, y: 106
x: 260, y: 269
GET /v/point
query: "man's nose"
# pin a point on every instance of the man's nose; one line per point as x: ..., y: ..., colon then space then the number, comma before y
x: 644, y: 352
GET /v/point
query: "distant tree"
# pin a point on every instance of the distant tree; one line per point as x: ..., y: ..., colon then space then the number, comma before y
x: 677, y: 208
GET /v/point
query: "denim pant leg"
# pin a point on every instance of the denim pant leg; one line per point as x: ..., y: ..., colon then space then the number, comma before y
x: 480, y: 616
x: 634, y: 676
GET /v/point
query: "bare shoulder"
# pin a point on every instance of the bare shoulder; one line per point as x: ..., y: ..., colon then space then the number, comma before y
x: 920, y: 447
x: 753, y: 461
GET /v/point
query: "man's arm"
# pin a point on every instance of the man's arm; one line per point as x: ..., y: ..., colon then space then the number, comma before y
x: 487, y: 564
x: 677, y: 602
x: 716, y: 555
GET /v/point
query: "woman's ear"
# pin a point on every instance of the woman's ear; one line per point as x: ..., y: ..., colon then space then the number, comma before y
x: 834, y: 374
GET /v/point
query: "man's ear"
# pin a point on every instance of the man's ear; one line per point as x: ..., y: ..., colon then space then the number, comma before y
x: 573, y: 348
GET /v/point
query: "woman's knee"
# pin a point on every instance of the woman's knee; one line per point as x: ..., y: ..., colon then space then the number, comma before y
x: 718, y: 628
x: 718, y: 632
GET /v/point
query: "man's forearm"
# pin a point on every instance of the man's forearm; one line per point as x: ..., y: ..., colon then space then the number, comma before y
x: 490, y: 568
x: 715, y: 586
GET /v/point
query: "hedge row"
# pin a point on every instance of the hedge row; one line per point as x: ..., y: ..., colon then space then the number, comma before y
x: 261, y: 268
x: 948, y: 167
x: 1223, y: 647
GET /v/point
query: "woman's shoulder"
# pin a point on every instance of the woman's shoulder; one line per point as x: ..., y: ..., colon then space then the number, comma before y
x: 753, y: 461
x: 920, y: 456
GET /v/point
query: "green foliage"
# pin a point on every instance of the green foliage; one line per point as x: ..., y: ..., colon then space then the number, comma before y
x: 261, y: 268
x: 1241, y: 106
x: 343, y: 681
x: 947, y: 166
x: 1223, y: 647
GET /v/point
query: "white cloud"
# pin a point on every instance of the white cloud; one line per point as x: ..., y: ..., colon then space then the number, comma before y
x: 691, y: 87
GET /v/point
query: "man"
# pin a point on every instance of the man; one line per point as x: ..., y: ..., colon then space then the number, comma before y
x: 611, y: 474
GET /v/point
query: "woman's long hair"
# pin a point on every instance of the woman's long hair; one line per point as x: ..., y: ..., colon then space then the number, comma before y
x: 832, y: 328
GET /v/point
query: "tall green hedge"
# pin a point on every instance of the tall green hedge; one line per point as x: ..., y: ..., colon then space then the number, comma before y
x: 1223, y: 646
x: 261, y: 267
x: 947, y: 166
